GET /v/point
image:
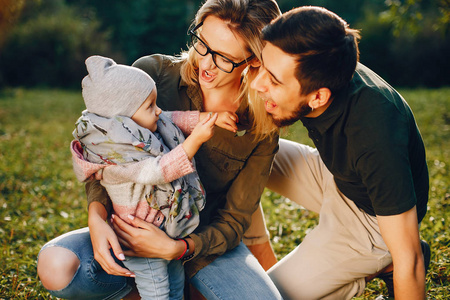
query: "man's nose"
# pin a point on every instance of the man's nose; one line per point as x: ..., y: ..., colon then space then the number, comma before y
x: 258, y: 83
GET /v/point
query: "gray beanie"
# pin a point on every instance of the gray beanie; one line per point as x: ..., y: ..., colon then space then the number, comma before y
x: 111, y: 89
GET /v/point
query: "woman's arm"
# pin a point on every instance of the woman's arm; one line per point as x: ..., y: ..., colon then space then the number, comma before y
x: 216, y: 238
x: 103, y: 238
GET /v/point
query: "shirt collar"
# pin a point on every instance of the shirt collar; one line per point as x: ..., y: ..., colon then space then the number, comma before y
x: 329, y: 117
x: 194, y: 93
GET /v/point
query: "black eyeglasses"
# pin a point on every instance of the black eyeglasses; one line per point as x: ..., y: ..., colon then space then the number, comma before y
x: 223, y: 63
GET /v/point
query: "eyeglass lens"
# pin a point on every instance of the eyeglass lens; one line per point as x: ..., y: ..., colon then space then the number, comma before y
x: 220, y: 61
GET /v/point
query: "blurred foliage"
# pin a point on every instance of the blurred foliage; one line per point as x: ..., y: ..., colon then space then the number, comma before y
x: 9, y: 12
x: 45, y: 42
x: 411, y: 14
x: 406, y: 58
x: 49, y: 49
x: 141, y: 27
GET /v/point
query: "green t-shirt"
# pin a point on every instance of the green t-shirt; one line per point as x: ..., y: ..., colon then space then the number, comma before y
x: 370, y: 142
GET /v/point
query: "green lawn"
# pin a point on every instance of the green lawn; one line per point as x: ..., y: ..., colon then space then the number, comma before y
x: 40, y: 197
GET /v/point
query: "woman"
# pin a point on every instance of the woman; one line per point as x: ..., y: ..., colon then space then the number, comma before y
x: 233, y: 167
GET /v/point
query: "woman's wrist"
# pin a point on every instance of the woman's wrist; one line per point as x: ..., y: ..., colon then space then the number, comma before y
x: 97, y: 210
x: 183, y: 248
x: 185, y: 251
x: 179, y: 249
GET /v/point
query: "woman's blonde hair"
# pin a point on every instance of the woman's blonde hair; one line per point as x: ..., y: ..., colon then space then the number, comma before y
x: 245, y: 18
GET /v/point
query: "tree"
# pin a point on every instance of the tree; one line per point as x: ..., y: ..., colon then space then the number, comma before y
x: 48, y: 46
x: 409, y: 15
x: 142, y: 27
x: 9, y: 13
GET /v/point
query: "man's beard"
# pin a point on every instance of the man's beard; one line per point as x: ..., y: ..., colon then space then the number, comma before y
x: 301, y: 111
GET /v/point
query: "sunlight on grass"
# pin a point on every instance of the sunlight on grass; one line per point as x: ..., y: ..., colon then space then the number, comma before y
x: 41, y: 199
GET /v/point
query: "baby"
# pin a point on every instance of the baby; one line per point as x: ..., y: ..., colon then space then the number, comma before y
x: 143, y: 161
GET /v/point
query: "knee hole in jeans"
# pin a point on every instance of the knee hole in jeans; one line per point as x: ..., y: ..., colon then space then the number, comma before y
x: 56, y: 267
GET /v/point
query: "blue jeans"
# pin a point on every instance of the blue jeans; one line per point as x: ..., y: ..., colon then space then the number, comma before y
x: 157, y: 278
x: 90, y: 281
x: 234, y: 275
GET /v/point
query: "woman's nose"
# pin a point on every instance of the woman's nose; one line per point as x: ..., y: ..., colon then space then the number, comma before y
x: 206, y: 62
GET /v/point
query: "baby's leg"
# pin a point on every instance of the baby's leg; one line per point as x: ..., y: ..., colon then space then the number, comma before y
x: 152, y: 277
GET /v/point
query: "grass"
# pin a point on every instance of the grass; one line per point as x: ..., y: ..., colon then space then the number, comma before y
x: 40, y: 197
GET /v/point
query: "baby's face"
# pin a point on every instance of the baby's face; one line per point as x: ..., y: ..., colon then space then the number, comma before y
x: 148, y: 114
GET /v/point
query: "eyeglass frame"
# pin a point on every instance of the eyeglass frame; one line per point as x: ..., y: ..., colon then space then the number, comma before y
x: 191, y: 32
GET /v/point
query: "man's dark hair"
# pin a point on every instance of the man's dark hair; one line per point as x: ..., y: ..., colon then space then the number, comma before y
x: 325, y: 48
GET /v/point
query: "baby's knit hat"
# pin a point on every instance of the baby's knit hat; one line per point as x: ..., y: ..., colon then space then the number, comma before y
x: 111, y: 89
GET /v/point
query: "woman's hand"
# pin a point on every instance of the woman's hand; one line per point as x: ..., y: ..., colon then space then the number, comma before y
x: 227, y: 120
x: 144, y: 239
x: 103, y: 239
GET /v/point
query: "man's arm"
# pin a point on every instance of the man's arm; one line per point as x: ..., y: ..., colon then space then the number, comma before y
x: 401, y: 235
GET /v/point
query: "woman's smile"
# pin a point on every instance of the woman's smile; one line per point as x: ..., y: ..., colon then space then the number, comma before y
x: 207, y: 76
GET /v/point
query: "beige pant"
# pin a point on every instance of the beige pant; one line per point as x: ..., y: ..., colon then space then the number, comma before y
x: 336, y: 256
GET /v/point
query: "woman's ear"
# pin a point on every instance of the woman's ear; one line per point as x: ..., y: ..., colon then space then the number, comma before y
x: 255, y: 63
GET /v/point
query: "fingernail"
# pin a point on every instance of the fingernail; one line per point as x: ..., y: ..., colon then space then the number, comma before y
x: 130, y: 217
x: 112, y: 216
x: 122, y: 257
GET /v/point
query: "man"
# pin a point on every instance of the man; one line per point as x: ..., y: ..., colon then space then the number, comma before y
x: 368, y: 178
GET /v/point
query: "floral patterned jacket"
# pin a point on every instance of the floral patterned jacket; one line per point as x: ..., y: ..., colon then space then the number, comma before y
x: 145, y: 174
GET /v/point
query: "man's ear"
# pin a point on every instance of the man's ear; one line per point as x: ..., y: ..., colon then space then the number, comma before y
x: 319, y: 98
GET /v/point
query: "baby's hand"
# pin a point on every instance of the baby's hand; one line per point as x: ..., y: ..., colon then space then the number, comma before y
x: 204, y: 130
x: 227, y: 120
